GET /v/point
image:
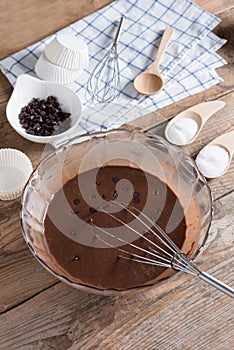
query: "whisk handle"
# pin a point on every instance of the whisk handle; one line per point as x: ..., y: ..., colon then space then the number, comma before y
x: 118, y: 31
x: 216, y: 283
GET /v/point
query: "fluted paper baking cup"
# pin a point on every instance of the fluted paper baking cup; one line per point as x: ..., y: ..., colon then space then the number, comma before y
x: 53, y: 73
x: 68, y: 51
x: 15, y: 168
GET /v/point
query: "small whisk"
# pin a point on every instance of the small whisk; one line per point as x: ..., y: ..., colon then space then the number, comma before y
x: 104, y: 81
x: 165, y: 253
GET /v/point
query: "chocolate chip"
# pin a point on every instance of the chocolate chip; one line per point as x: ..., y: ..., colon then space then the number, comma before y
x: 115, y: 179
x: 76, y: 201
x: 103, y: 196
x: 97, y: 183
x: 115, y: 194
x: 76, y: 258
x: 136, y: 194
x: 47, y: 113
x: 31, y: 132
x: 92, y: 210
x: 136, y: 200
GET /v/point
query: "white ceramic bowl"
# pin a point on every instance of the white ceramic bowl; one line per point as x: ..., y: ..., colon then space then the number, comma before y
x: 15, y: 168
x: 28, y: 87
x: 68, y: 51
x: 53, y: 73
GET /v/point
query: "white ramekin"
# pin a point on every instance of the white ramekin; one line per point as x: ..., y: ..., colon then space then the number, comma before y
x: 15, y: 168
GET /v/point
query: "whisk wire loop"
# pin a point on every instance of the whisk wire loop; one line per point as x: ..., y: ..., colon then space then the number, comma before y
x: 104, y: 81
x: 153, y: 262
x: 158, y: 256
x: 166, y: 257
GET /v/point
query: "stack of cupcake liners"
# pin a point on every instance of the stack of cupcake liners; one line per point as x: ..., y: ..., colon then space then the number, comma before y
x: 188, y: 66
x: 63, y: 59
x: 15, y: 168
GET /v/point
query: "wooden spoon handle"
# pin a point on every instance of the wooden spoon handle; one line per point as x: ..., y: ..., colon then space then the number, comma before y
x: 162, y: 47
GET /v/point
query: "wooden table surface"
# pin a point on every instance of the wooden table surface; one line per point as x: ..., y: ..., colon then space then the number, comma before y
x: 39, y: 312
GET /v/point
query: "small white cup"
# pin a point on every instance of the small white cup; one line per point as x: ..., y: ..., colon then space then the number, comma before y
x: 15, y: 168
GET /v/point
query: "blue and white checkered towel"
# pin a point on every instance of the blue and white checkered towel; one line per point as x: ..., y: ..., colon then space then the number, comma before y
x: 188, y: 65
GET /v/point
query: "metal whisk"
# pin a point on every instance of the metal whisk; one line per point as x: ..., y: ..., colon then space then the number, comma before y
x: 104, y: 81
x: 167, y: 255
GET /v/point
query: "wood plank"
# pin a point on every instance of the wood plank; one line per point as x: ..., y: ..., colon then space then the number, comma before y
x: 182, y: 313
x: 215, y: 7
x: 64, y: 318
x: 5, y: 89
x: 12, y: 246
x: 12, y: 242
x: 25, y: 277
x: 49, y: 15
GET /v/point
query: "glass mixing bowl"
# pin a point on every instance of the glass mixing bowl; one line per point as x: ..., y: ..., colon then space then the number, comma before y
x: 128, y: 147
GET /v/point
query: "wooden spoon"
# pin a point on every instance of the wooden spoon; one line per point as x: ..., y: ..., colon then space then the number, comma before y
x: 224, y: 142
x: 150, y: 81
x: 199, y: 114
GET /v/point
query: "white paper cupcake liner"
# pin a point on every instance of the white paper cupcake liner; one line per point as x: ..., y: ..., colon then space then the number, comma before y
x: 53, y: 73
x: 15, y: 168
x: 68, y: 51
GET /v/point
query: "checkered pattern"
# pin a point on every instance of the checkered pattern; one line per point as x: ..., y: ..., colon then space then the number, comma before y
x: 188, y: 65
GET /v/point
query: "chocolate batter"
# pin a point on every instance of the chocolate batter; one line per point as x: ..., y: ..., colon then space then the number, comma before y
x: 109, y: 268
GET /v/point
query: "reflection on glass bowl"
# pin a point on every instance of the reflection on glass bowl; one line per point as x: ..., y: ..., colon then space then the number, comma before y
x: 174, y: 170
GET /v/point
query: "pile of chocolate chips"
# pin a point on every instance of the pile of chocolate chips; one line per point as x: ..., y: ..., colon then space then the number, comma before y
x: 44, y: 117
